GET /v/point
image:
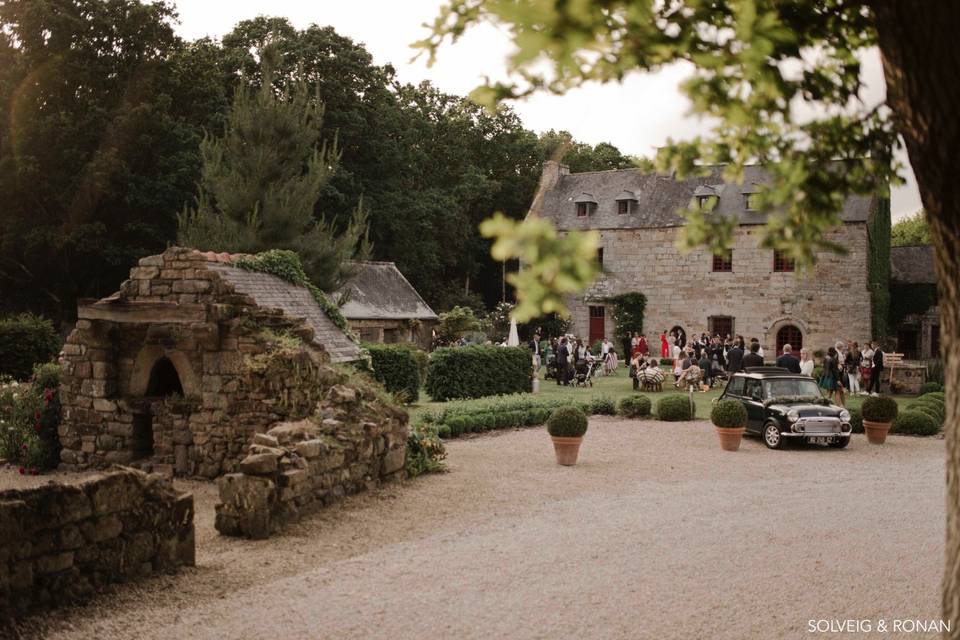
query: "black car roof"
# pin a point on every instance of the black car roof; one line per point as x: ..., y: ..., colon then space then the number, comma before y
x: 770, y: 372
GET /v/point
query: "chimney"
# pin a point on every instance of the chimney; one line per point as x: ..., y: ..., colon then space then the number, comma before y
x: 552, y: 172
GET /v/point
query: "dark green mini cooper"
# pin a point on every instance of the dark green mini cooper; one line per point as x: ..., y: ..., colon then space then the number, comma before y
x: 784, y: 406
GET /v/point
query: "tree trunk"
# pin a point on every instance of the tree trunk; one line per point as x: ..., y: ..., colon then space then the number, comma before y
x: 921, y: 62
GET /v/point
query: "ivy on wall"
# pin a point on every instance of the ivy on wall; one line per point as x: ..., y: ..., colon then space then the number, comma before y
x: 910, y: 298
x: 628, y: 310
x: 878, y: 268
x: 286, y: 265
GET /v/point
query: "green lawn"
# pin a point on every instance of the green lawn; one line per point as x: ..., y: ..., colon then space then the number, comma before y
x: 615, y: 387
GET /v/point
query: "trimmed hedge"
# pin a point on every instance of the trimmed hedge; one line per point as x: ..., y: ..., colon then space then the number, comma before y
x: 567, y: 422
x: 602, y: 406
x: 474, y: 372
x: 675, y: 408
x: 856, y: 421
x: 395, y: 367
x: 635, y: 407
x: 915, y: 422
x: 728, y: 414
x: 930, y: 387
x: 501, y: 413
x: 26, y: 340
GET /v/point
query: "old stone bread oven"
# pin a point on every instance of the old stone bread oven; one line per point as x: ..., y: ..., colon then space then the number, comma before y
x: 192, y: 357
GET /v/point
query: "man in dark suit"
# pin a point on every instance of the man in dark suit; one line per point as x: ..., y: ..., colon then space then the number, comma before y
x: 789, y: 361
x: 877, y: 369
x: 734, y: 358
x: 753, y: 359
x: 563, y: 361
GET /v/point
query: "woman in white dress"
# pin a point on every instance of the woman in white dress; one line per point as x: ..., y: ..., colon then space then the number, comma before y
x: 806, y: 363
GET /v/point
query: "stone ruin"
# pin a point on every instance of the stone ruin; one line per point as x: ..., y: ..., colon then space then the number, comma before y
x: 63, y: 542
x: 297, y: 467
x: 178, y: 370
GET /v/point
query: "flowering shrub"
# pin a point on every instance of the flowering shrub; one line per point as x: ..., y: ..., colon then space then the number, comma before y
x: 29, y: 420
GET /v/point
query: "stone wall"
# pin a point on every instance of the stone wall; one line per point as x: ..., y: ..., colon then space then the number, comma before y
x: 63, y: 542
x: 298, y: 467
x: 830, y: 302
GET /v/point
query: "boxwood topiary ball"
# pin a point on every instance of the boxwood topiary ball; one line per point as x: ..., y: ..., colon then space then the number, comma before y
x: 567, y: 422
x: 879, y: 409
x: 728, y: 414
x: 674, y: 408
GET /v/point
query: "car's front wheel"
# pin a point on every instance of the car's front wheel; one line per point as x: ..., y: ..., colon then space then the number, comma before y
x: 772, y: 437
x: 840, y: 443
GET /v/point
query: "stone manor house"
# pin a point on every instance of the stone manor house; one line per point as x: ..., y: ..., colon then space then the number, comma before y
x: 753, y: 291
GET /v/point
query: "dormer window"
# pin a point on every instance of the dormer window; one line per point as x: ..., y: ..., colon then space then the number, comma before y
x: 749, y: 201
x: 706, y: 196
x: 625, y: 202
x: 586, y: 205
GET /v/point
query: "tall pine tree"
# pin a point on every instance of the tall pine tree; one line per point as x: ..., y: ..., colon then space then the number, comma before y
x: 261, y: 181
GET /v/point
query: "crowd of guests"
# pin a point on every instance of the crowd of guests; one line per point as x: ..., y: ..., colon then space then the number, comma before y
x: 704, y: 360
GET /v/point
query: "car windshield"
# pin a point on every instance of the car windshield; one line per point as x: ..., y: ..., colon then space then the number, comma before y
x: 791, y: 387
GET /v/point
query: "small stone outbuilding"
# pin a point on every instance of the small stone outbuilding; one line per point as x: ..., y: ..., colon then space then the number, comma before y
x: 382, y: 306
x: 179, y: 369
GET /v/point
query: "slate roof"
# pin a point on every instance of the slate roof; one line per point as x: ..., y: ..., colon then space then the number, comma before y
x: 659, y: 197
x: 379, y: 291
x: 912, y: 265
x: 273, y: 293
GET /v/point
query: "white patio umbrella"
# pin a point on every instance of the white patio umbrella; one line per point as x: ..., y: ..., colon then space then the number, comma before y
x: 514, y: 339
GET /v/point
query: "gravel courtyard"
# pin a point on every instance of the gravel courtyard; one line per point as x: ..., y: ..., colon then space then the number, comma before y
x: 655, y: 534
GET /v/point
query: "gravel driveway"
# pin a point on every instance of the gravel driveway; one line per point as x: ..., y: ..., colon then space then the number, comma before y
x: 655, y: 534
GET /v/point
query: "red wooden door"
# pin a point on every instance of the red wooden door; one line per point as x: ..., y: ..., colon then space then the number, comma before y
x: 596, y: 324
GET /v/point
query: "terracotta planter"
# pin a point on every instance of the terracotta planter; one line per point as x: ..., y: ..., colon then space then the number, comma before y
x: 876, y: 431
x: 730, y: 437
x: 566, y: 449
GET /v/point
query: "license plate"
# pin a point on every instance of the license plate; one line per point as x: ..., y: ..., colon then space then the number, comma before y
x: 819, y: 440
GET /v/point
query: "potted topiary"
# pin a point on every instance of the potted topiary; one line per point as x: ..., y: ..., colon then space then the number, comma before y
x: 729, y: 418
x: 878, y: 414
x: 566, y: 427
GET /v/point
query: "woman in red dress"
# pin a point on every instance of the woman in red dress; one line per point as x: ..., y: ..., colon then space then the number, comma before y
x: 642, y: 347
x: 664, y: 347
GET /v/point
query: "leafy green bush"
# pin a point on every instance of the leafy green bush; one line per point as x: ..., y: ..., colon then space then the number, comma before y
x: 675, y: 408
x: 937, y: 406
x: 602, y: 406
x: 395, y: 367
x: 930, y: 387
x: 474, y: 372
x: 30, y: 419
x: 925, y: 409
x: 728, y: 414
x: 425, y: 451
x: 939, y: 395
x: 26, y: 340
x: 879, y: 409
x: 567, y: 422
x: 856, y: 421
x: 915, y: 423
x: 667, y: 361
x: 635, y: 407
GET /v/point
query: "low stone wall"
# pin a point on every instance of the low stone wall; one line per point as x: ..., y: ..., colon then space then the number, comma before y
x: 298, y: 467
x: 63, y: 542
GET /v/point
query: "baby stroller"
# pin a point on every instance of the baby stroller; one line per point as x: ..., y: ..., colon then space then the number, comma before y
x: 586, y: 372
x: 551, y: 372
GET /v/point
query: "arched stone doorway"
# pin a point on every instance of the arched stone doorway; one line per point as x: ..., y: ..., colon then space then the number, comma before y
x: 789, y: 334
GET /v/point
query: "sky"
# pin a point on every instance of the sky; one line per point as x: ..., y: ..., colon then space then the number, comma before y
x: 637, y: 116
